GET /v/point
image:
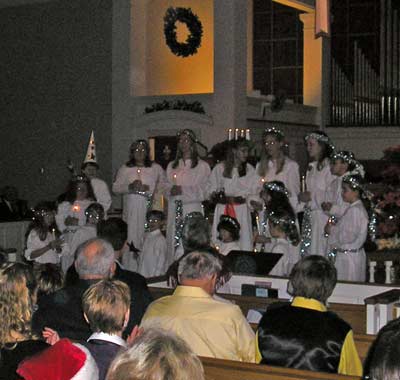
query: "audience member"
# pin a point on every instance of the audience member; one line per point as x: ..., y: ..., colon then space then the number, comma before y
x: 153, y: 258
x: 114, y: 230
x: 157, y: 355
x: 17, y: 297
x: 62, y: 310
x: 11, y: 207
x: 211, y: 327
x: 382, y: 361
x: 304, y: 335
x: 49, y: 279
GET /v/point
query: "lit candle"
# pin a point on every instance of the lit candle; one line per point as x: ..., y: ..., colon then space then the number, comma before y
x: 258, y: 224
x: 174, y: 179
x: 75, y: 208
x: 303, y: 184
x: 138, y: 174
x: 230, y: 134
x: 236, y: 133
x: 262, y: 181
x: 53, y: 233
x: 248, y: 134
x: 242, y: 133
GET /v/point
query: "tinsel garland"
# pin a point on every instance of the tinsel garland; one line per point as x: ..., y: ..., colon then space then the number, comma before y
x: 178, y: 222
x: 306, y: 231
x: 149, y: 205
x: 372, y: 226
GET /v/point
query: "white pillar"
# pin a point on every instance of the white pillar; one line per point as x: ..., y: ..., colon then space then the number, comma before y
x: 230, y: 66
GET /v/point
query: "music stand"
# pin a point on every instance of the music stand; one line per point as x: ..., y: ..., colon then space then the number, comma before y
x: 249, y: 262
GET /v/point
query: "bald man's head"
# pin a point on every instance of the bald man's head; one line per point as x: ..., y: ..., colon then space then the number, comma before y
x: 95, y: 259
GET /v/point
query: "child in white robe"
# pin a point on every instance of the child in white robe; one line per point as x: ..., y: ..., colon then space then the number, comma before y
x: 348, y: 235
x: 44, y: 243
x: 285, y: 234
x: 137, y: 181
x: 153, y: 257
x: 228, y: 235
x: 342, y: 163
x: 318, y: 179
x: 94, y: 214
x: 231, y: 183
x: 187, y: 178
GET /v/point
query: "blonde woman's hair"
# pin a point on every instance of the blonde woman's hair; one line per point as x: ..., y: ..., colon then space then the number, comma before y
x: 17, y: 286
x: 157, y: 355
x: 105, y: 305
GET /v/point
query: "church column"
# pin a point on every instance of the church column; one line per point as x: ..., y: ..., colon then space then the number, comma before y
x: 316, y: 70
x: 230, y: 65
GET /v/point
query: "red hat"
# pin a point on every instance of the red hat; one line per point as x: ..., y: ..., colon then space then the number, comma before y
x: 63, y: 361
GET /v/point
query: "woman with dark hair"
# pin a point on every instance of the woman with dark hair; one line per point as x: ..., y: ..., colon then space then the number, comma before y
x: 137, y: 181
x: 231, y: 183
x: 187, y: 177
x: 318, y: 179
x: 303, y: 334
x: 17, y: 298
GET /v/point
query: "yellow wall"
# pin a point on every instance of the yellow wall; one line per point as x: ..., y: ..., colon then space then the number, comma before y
x: 165, y: 73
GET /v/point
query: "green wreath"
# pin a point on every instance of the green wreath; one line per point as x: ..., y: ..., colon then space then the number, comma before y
x: 193, y: 41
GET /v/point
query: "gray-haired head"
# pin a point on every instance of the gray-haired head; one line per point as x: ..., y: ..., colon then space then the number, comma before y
x: 196, y: 234
x: 198, y: 265
x: 94, y: 259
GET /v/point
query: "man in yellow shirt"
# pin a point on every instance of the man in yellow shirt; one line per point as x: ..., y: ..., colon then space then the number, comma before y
x: 304, y: 335
x: 211, y: 327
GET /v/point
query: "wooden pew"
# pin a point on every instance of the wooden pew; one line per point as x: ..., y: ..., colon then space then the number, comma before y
x: 218, y: 369
x: 355, y: 315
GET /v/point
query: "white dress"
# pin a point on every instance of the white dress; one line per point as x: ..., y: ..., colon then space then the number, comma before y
x: 334, y: 196
x: 234, y: 187
x: 193, y: 182
x: 225, y: 248
x: 285, y: 263
x: 81, y: 235
x: 101, y: 192
x: 318, y: 182
x: 153, y: 258
x: 348, y: 237
x: 135, y: 206
x: 51, y: 256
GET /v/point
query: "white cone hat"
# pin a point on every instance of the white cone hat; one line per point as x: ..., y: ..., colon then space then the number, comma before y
x: 91, y: 151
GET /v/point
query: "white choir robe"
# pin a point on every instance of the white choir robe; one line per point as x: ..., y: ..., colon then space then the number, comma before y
x: 334, y: 196
x: 234, y: 187
x: 102, y: 193
x: 135, y: 206
x: 286, y: 262
x: 289, y: 176
x: 225, y: 248
x: 350, y: 233
x: 153, y: 257
x: 76, y: 210
x: 82, y: 234
x: 317, y: 182
x: 51, y: 256
x: 193, y: 182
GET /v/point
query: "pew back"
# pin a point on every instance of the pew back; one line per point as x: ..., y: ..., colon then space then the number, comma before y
x: 218, y: 369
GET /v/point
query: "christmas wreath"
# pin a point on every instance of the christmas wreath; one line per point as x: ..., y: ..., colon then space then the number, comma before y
x: 193, y: 41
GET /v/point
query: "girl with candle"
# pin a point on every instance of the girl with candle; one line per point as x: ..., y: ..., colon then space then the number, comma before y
x: 71, y: 212
x: 44, y: 243
x: 137, y: 181
x: 318, y: 180
x: 275, y: 165
x: 187, y: 178
x: 235, y: 176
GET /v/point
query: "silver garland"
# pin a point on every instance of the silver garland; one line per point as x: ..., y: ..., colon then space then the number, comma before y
x: 306, y: 231
x: 149, y: 206
x: 178, y: 222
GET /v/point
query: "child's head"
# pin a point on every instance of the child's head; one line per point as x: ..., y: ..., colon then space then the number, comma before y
x: 274, y: 192
x: 49, y: 279
x: 44, y: 214
x: 94, y: 213
x: 318, y: 145
x: 341, y: 162
x: 155, y: 220
x: 282, y: 225
x: 106, y: 306
x: 352, y: 188
x: 79, y: 189
x: 228, y: 229
x: 89, y: 169
x: 274, y: 141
